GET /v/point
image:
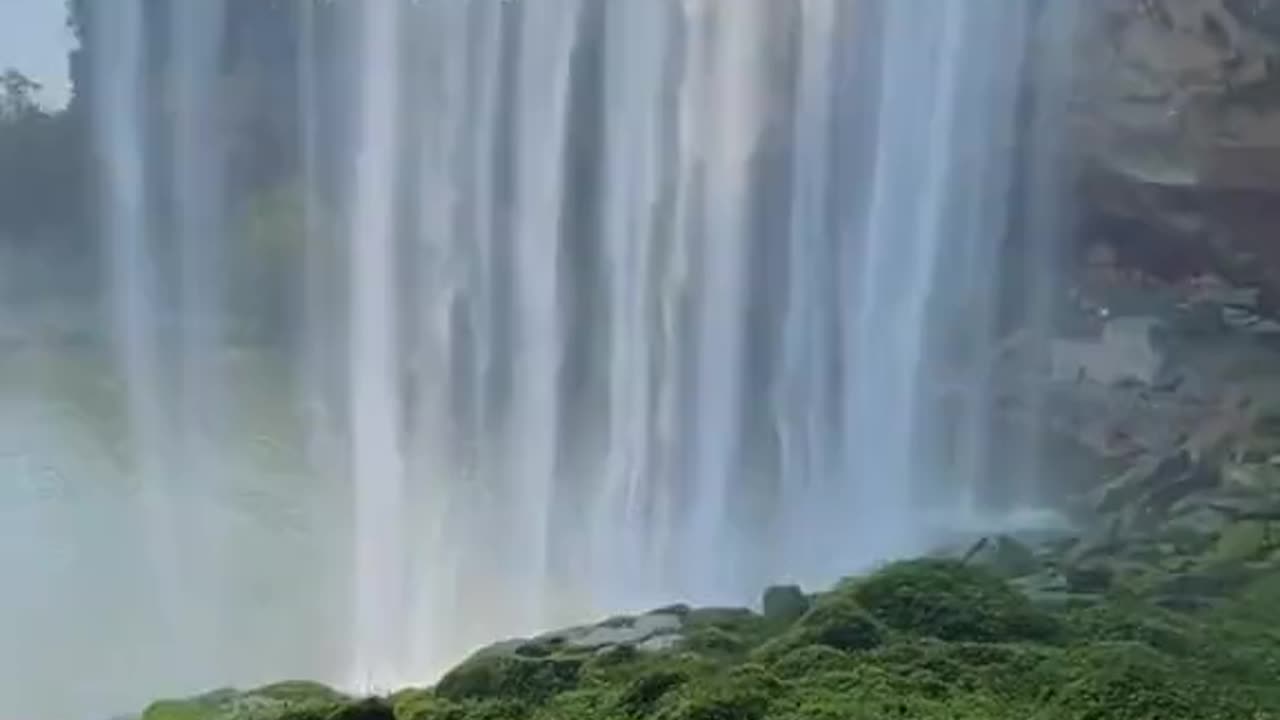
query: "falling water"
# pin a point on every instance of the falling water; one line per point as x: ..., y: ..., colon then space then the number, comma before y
x: 376, y: 463
x: 600, y: 305
x: 683, y: 270
x: 119, y: 140
x: 198, y: 211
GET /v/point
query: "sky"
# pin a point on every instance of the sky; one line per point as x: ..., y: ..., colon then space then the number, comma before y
x: 35, y: 40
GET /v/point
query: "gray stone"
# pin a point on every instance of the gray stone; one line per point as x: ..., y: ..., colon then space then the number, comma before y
x: 660, y: 643
x: 617, y: 631
x: 1126, y: 351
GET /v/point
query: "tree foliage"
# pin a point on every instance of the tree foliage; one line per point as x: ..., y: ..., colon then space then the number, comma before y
x: 40, y: 161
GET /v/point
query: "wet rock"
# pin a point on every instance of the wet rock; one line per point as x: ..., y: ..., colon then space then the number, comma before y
x: 1125, y: 351
x: 654, y: 631
x: 1140, y: 480
x: 659, y: 643
x: 631, y: 631
x: 1181, y: 92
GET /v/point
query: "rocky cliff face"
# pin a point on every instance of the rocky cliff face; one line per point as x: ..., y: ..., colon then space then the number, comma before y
x: 1184, y: 93
x: 1177, y: 122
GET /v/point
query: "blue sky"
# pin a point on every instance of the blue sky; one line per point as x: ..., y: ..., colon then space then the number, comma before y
x: 35, y: 40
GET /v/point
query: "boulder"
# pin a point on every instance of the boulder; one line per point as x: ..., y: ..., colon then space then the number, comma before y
x: 624, y: 631
x: 838, y: 622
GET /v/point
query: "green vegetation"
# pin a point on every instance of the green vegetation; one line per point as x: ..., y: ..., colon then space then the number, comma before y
x: 918, y: 640
x: 41, y: 161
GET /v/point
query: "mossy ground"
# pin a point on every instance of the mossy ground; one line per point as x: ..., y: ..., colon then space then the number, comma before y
x: 920, y: 640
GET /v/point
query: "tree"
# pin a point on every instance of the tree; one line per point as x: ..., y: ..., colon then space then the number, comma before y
x: 17, y: 96
x: 40, y: 162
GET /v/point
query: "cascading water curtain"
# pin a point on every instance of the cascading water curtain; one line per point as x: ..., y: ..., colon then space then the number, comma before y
x: 679, y: 290
x: 555, y: 309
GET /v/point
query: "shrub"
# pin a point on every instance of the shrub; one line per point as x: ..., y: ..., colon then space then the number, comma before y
x: 951, y: 601
x: 499, y: 676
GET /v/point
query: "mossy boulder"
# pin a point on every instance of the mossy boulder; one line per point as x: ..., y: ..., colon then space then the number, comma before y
x: 725, y: 631
x: 510, y: 677
x: 839, y: 622
x: 951, y: 601
x: 808, y: 660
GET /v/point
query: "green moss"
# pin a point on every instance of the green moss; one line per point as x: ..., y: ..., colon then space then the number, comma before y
x: 1123, y: 621
x: 809, y: 660
x: 642, y: 695
x: 727, y: 632
x: 282, y: 701
x: 742, y: 693
x: 578, y: 705
x: 1241, y: 541
x: 510, y: 677
x: 207, y: 707
x: 951, y: 601
x: 839, y: 623
x: 713, y: 640
x: 872, y: 693
x: 1132, y: 681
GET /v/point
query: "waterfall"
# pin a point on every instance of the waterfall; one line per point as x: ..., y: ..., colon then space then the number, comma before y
x: 119, y: 133
x: 198, y: 213
x: 682, y: 272
x: 377, y: 466
x: 599, y: 306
